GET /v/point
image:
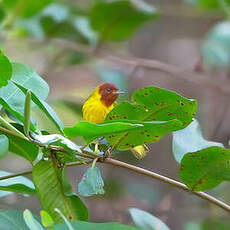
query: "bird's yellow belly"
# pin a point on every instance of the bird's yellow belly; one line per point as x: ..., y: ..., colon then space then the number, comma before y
x: 95, y: 113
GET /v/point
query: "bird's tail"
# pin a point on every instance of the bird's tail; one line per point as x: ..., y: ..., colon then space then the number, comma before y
x: 140, y: 151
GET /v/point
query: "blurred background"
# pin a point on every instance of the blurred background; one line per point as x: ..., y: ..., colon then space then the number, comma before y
x: 174, y: 44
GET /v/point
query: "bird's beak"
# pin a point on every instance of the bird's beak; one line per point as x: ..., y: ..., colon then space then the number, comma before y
x: 118, y: 92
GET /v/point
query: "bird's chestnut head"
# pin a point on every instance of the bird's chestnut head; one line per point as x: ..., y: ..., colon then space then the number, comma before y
x: 109, y: 93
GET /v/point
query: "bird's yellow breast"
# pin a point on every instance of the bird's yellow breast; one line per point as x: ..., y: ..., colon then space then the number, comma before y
x: 94, y: 110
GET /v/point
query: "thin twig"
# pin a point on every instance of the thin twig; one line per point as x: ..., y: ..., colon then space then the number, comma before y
x: 139, y: 170
x: 171, y: 70
x: 187, y: 11
x: 13, y: 133
x: 16, y: 175
x: 169, y: 181
x: 84, y: 153
x: 11, y: 128
x: 70, y: 164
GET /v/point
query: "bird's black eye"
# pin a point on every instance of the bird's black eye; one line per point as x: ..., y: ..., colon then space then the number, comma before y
x: 108, y: 90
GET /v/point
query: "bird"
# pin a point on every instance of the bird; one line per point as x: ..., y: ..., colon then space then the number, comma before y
x: 99, y: 103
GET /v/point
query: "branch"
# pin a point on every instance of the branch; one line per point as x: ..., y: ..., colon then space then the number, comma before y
x: 169, y: 181
x: 171, y: 70
x: 16, y: 175
x: 139, y: 170
x: 188, y: 11
x: 30, y: 171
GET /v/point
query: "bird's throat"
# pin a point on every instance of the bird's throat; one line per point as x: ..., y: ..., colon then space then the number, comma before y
x: 108, y: 100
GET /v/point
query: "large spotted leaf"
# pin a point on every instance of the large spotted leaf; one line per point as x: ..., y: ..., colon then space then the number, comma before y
x: 205, y: 169
x: 150, y: 132
x: 162, y: 111
x: 164, y: 105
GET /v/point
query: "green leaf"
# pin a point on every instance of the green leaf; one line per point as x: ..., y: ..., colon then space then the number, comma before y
x: 94, y: 226
x: 82, y: 24
x: 205, y: 169
x: 161, y: 111
x: 215, y: 223
x: 214, y: 54
x: 54, y: 29
x: 26, y: 77
x: 18, y: 188
x: 31, y: 222
x: 50, y: 113
x: 27, y: 113
x: 21, y: 146
x: 15, y: 113
x: 10, y: 128
x: 5, y: 70
x: 164, y: 105
x: 57, y: 11
x: 2, y: 14
x: 46, y: 219
x: 117, y: 20
x: 190, y: 139
x: 49, y: 186
x: 193, y: 225
x: 216, y: 47
x: 208, y: 4
x: 68, y: 224
x: 17, y: 184
x: 12, y: 220
x: 90, y: 131
x: 4, y: 145
x: 59, y: 140
x: 149, y: 132
x: 26, y: 10
x: 145, y: 221
x: 91, y: 183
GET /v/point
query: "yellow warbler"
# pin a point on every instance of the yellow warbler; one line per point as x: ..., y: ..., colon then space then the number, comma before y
x: 101, y: 101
